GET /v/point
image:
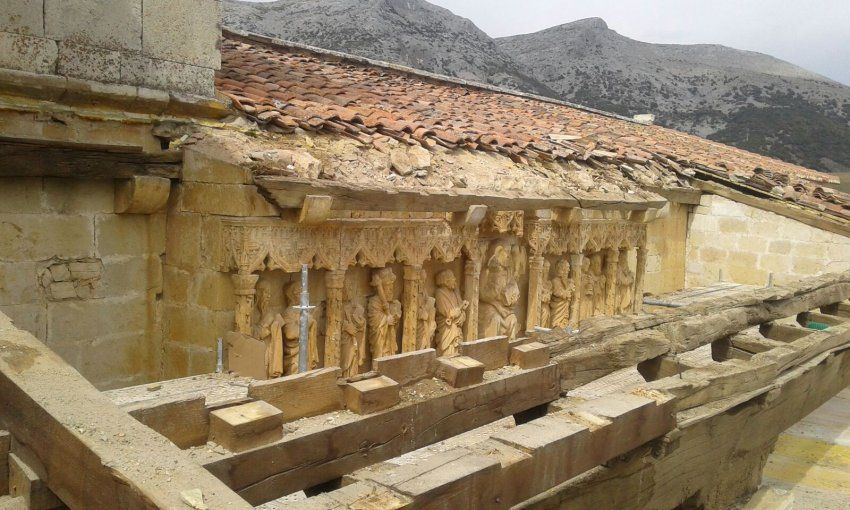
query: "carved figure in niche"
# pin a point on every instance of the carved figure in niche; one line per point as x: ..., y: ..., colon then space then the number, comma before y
x: 292, y: 333
x: 426, y: 322
x: 270, y: 330
x: 353, y: 337
x: 384, y: 314
x: 451, y: 314
x: 599, y: 280
x: 499, y: 295
x: 625, y: 280
x: 563, y: 291
x: 588, y: 283
x: 546, y: 297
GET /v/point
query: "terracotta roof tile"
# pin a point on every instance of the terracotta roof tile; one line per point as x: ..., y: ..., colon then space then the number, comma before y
x: 319, y: 92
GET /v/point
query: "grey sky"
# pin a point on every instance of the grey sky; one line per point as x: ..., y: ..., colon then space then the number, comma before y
x: 814, y: 34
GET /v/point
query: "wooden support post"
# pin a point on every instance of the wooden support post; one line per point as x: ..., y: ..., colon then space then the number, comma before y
x: 410, y: 296
x: 244, y: 286
x: 576, y: 260
x: 640, y: 272
x: 612, y: 257
x: 535, y: 280
x: 334, y: 281
x: 472, y: 274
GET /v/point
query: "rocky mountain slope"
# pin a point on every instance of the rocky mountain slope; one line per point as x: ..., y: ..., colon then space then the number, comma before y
x: 745, y: 99
x: 410, y: 32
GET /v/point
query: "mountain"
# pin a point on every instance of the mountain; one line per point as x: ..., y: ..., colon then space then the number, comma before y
x: 741, y: 98
x: 410, y: 32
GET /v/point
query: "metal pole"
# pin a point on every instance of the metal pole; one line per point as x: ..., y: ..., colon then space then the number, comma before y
x: 305, y: 307
x: 219, y: 364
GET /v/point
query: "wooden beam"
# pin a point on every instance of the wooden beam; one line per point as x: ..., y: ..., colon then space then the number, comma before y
x: 290, y: 193
x: 94, y: 454
x: 33, y: 160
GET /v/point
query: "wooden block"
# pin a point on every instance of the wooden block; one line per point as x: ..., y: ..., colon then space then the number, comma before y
x: 530, y: 355
x: 301, y: 395
x: 460, y: 371
x: 10, y: 503
x: 5, y: 445
x: 492, y: 351
x: 246, y: 356
x: 407, y: 367
x: 518, y: 341
x: 372, y: 395
x: 26, y: 482
x: 183, y: 419
x: 246, y: 426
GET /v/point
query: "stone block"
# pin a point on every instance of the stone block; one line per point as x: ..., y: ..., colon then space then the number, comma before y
x: 186, y: 31
x: 732, y: 225
x: 775, y: 263
x: 460, y: 371
x: 213, y: 290
x: 183, y: 241
x: 110, y: 360
x: 21, y: 195
x: 142, y: 194
x: 806, y: 266
x: 301, y: 395
x: 89, y: 63
x: 176, y: 284
x: 22, y: 17
x: 175, y: 361
x: 201, y: 167
x: 42, y: 237
x: 246, y: 426
x: 194, y: 326
x: 27, y: 53
x: 225, y: 200
x: 372, y: 395
x: 407, y: 367
x: 130, y: 275
x: 31, y: 317
x: 27, y: 481
x: 492, y: 351
x: 122, y: 234
x: 142, y: 71
x: 86, y: 321
x: 110, y: 24
x: 18, y: 283
x: 531, y: 355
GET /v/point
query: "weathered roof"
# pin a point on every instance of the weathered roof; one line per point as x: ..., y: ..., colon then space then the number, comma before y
x: 289, y: 86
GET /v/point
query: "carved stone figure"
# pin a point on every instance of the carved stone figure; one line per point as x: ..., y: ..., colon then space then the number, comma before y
x: 270, y: 330
x: 625, y: 280
x: 563, y: 290
x: 353, y: 338
x: 292, y: 333
x: 384, y: 314
x: 426, y: 322
x: 546, y: 288
x: 599, y: 280
x: 499, y: 295
x: 451, y: 314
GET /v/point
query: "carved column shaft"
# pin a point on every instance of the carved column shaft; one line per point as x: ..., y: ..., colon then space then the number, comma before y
x: 611, y: 259
x: 640, y: 270
x: 412, y: 275
x: 535, y: 280
x: 334, y: 282
x: 576, y: 260
x: 245, y: 287
x: 472, y: 276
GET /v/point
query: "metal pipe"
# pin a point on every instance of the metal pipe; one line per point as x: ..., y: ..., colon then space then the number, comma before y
x: 303, y: 344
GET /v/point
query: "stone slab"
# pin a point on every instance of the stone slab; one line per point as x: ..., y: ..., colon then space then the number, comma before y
x: 460, y: 371
x: 246, y: 426
x: 372, y: 395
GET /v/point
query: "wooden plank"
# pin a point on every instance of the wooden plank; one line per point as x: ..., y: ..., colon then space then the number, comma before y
x: 5, y: 447
x: 407, y: 367
x: 290, y: 192
x: 26, y: 480
x: 90, y: 449
x: 326, y: 449
x: 301, y: 395
x: 493, y: 352
x: 183, y: 419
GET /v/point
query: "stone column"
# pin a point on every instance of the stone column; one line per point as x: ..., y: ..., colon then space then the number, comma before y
x: 640, y: 270
x: 612, y: 257
x: 245, y: 287
x: 410, y: 296
x: 471, y: 280
x: 535, y: 279
x: 334, y: 282
x: 576, y: 260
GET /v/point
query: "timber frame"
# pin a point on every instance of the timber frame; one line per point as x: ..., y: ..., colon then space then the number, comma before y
x: 561, y: 453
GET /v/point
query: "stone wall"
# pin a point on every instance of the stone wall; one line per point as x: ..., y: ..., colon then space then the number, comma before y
x: 748, y: 244
x: 81, y: 278
x: 665, y: 243
x: 157, y: 44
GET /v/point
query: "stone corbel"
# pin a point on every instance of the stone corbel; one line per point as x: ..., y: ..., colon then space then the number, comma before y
x: 142, y: 194
x: 315, y: 209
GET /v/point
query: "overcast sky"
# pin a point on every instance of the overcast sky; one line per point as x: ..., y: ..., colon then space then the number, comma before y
x: 814, y: 34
